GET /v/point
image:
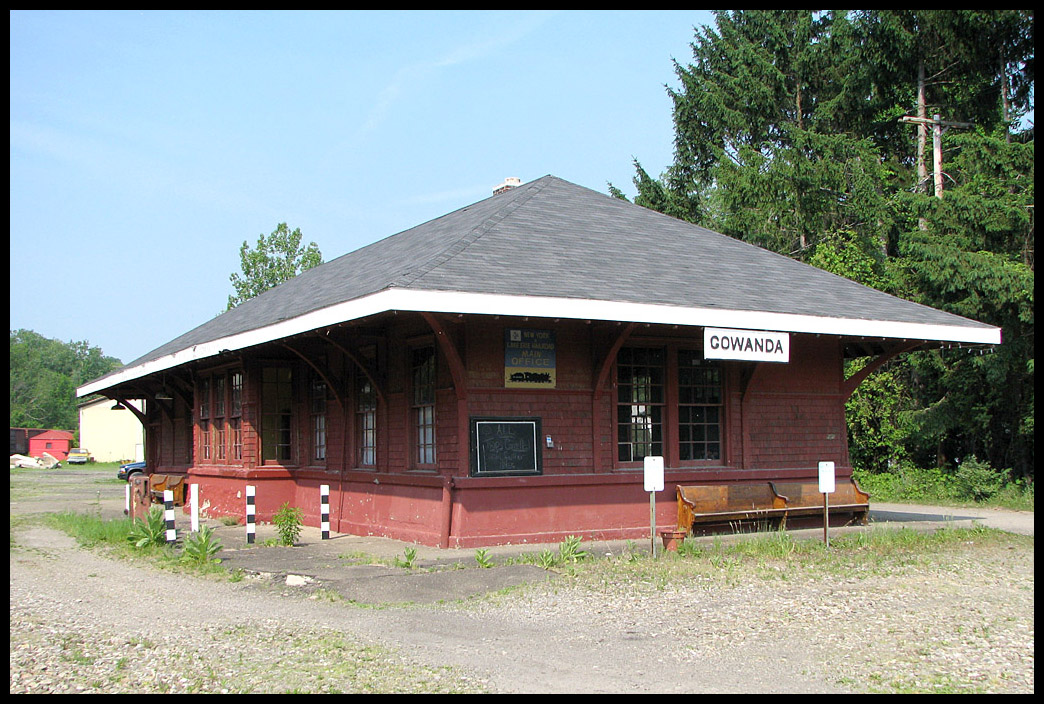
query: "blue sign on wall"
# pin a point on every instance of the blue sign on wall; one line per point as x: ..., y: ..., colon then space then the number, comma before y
x: 529, y: 359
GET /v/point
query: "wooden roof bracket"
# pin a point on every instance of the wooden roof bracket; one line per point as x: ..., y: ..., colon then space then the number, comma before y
x: 324, y: 373
x: 165, y: 411
x: 610, y: 358
x: 849, y: 385
x: 747, y: 374
x: 119, y: 398
x: 456, y: 364
x: 356, y: 359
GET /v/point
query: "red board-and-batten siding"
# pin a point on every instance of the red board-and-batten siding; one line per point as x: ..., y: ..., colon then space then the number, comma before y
x: 780, y: 421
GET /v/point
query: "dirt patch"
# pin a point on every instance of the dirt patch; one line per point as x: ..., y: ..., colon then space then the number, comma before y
x: 961, y: 621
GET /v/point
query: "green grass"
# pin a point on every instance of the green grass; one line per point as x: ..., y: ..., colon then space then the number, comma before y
x: 915, y: 485
x: 114, y: 536
x: 98, y: 465
x: 726, y: 560
x: 779, y: 556
x: 114, y: 466
x: 89, y: 530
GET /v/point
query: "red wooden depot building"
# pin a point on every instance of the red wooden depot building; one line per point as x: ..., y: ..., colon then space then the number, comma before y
x: 498, y: 374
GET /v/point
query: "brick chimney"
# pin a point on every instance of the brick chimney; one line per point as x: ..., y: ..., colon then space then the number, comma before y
x: 508, y: 184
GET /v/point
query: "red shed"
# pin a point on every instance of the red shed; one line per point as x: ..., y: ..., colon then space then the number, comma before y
x: 500, y: 373
x: 55, y: 442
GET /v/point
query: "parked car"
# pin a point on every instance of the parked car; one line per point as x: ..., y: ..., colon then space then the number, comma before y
x: 78, y: 455
x: 130, y: 469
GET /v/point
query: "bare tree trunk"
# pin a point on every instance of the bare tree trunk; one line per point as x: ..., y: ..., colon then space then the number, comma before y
x: 922, y: 130
x: 1005, y: 104
x: 922, y: 137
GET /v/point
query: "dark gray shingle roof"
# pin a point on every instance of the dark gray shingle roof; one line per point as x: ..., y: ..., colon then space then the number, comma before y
x: 552, y: 238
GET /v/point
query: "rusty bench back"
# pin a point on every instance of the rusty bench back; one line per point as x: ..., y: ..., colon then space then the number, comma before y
x: 746, y: 500
x: 806, y: 494
x: 718, y: 500
x: 175, y: 483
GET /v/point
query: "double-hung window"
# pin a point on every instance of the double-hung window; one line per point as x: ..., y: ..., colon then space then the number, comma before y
x: 220, y: 409
x: 218, y: 431
x: 235, y: 428
x: 699, y: 408
x: 204, y: 419
x: 669, y: 403
x: 317, y: 407
x: 422, y: 377
x: 640, y: 403
x: 366, y: 422
x: 276, y: 415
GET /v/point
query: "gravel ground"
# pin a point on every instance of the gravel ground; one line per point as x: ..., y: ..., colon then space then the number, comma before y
x: 960, y: 621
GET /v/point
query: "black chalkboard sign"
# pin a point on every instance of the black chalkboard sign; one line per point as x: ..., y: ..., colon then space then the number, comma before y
x: 505, y: 446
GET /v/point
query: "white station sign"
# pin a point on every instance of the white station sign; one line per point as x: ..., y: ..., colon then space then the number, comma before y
x: 654, y: 473
x: 826, y: 477
x: 749, y: 345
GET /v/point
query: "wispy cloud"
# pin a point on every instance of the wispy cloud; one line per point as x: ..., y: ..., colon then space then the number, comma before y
x: 416, y: 73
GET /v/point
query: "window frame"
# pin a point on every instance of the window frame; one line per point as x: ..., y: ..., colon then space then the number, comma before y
x: 365, y: 425
x: 647, y: 400
x: 672, y: 405
x: 219, y: 413
x: 695, y: 389
x: 218, y: 429
x: 203, y: 413
x: 318, y: 407
x: 283, y: 430
x: 235, y: 415
x: 423, y: 406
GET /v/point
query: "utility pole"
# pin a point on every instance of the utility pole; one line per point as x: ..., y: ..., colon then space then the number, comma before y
x: 937, y: 124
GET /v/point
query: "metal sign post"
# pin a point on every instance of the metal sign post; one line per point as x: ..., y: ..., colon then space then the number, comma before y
x: 826, y: 488
x: 194, y: 506
x: 826, y: 519
x: 652, y: 523
x: 653, y: 484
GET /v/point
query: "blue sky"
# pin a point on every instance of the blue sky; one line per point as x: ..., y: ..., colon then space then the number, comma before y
x: 147, y: 146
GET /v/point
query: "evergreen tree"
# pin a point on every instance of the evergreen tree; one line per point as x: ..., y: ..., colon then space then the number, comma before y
x: 975, y: 259
x: 788, y: 135
x: 769, y: 143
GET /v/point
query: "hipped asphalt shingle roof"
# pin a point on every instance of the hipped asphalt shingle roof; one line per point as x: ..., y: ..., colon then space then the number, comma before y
x: 550, y: 248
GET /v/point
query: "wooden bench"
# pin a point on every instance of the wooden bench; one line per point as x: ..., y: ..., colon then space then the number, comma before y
x: 805, y: 499
x: 175, y: 483
x: 765, y: 500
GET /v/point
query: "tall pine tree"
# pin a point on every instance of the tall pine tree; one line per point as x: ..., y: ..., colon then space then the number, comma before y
x: 788, y: 135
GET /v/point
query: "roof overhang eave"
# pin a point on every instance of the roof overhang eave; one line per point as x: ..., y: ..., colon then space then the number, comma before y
x: 414, y: 300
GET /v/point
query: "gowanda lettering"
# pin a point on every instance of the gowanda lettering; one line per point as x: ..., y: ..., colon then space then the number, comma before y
x: 751, y: 345
x: 737, y: 343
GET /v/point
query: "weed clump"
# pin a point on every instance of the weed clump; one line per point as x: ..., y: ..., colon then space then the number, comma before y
x: 288, y: 520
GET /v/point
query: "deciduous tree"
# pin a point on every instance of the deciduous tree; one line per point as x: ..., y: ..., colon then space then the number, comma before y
x: 44, y: 377
x: 278, y: 257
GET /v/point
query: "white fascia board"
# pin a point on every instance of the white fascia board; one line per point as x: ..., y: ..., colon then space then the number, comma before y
x: 584, y: 309
x: 549, y: 307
